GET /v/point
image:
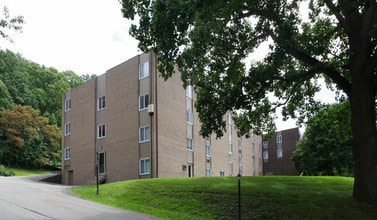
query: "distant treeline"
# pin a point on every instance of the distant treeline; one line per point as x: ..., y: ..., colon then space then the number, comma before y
x: 30, y: 110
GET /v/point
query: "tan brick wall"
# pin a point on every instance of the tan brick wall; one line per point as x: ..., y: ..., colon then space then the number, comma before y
x: 172, y: 134
x: 82, y: 137
x: 122, y: 121
x: 167, y: 147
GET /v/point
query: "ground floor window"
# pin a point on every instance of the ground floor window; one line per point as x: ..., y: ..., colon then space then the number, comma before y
x: 101, y: 162
x: 145, y: 166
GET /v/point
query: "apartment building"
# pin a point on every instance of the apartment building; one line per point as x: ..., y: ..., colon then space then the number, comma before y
x: 130, y: 124
x: 277, y: 152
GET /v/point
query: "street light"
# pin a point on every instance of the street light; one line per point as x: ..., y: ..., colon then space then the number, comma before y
x: 239, y: 195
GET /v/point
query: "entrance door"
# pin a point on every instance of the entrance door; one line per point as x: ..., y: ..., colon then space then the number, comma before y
x: 70, y: 177
x: 189, y: 170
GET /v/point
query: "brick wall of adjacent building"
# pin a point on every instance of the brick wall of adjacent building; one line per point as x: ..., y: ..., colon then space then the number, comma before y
x: 277, y: 153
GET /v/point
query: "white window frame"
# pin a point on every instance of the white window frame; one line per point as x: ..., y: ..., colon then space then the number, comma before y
x: 143, y: 70
x: 265, y: 155
x: 189, y: 116
x: 190, y: 144
x: 101, y: 131
x: 67, y: 105
x: 144, y: 134
x: 279, y: 138
x: 143, y: 102
x: 146, y: 164
x: 189, y: 91
x: 67, y: 128
x: 101, y: 103
x: 67, y: 153
x: 279, y: 153
x: 208, y: 150
x: 208, y: 172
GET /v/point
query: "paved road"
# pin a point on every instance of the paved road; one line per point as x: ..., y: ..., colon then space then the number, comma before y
x: 23, y: 198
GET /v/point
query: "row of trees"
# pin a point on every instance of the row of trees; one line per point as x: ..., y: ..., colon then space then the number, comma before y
x: 30, y: 111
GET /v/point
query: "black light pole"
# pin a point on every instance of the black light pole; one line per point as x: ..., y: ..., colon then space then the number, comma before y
x: 239, y: 195
x: 97, y: 171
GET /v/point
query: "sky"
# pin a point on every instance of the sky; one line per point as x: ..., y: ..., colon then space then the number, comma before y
x: 85, y: 36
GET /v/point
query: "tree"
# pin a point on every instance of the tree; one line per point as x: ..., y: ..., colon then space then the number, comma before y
x: 326, y: 147
x: 10, y: 23
x: 209, y: 41
x: 27, y: 139
x: 29, y: 83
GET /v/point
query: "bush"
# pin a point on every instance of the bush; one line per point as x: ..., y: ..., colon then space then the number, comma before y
x: 6, y: 172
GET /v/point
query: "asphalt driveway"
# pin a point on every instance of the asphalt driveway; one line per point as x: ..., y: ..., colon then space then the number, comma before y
x: 24, y: 198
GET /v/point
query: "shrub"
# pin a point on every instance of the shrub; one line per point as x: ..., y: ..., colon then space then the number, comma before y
x: 6, y: 172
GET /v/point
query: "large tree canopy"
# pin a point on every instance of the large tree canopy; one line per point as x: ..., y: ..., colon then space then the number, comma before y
x: 210, y: 40
x: 326, y: 148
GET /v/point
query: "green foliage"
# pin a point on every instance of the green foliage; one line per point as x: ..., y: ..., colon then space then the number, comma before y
x: 6, y: 172
x: 262, y: 197
x: 27, y: 139
x: 26, y: 83
x: 210, y: 40
x: 326, y: 148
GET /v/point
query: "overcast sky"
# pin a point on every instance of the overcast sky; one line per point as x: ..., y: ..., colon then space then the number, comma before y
x: 85, y: 36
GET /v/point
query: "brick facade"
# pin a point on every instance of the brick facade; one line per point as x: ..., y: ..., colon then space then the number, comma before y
x: 277, y: 153
x: 133, y: 143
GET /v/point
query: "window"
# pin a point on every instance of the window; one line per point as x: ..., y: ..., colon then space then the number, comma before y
x: 101, y: 131
x: 67, y: 153
x: 279, y: 153
x: 67, y: 105
x: 208, y: 150
x: 190, y: 145
x: 101, y: 162
x: 222, y: 173
x: 279, y: 139
x: 144, y: 167
x: 143, y: 70
x: 143, y: 134
x: 143, y: 102
x: 189, y: 91
x: 265, y: 155
x: 189, y: 117
x: 67, y: 128
x: 101, y: 103
x: 208, y: 173
x: 230, y: 155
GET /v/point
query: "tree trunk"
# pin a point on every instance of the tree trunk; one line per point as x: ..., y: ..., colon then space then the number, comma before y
x: 363, y: 121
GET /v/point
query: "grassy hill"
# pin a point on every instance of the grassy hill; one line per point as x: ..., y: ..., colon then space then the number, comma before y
x: 265, y: 197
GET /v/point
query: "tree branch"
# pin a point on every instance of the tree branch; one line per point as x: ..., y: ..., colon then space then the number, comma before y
x: 342, y: 21
x: 331, y: 72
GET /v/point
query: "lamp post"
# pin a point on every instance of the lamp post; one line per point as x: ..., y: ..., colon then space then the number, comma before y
x: 239, y: 195
x: 97, y: 172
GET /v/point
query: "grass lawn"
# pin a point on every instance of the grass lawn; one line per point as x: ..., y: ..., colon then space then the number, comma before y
x: 27, y: 172
x: 264, y: 197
